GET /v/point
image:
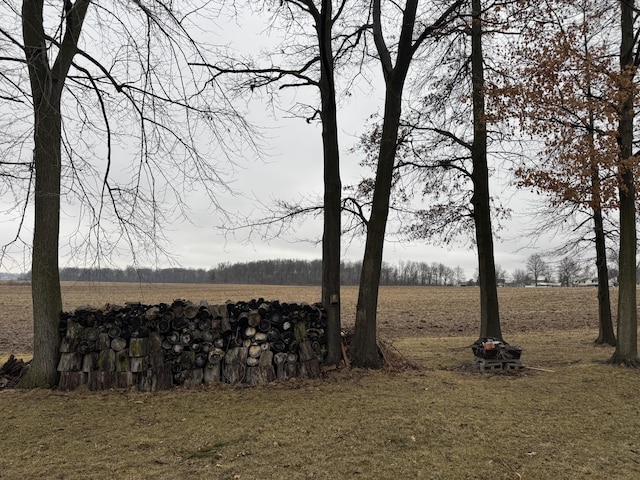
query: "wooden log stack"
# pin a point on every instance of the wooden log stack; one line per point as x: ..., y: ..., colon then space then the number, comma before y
x: 156, y: 347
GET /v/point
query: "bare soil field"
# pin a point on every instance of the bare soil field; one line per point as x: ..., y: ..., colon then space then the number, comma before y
x: 567, y: 415
x: 403, y: 311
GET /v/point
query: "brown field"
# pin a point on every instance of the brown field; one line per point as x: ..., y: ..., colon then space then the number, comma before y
x: 570, y: 416
x: 403, y: 311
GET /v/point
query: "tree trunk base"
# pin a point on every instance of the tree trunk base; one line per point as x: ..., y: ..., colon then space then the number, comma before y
x: 624, y: 362
x: 605, y: 341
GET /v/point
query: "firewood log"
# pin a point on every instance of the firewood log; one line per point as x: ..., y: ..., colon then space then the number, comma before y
x: 252, y: 361
x: 103, y: 342
x: 173, y: 337
x: 187, y: 360
x: 200, y: 360
x: 139, y: 364
x: 260, y: 375
x: 123, y: 362
x: 125, y: 379
x: 90, y: 362
x: 138, y: 347
x: 309, y: 368
x: 233, y: 373
x: 156, y: 352
x: 254, y: 318
x: 216, y: 356
x: 279, y: 358
x: 255, y: 351
x: 207, y: 336
x: 115, y: 331
x: 278, y: 346
x: 266, y: 359
x: 100, y: 380
x: 91, y: 334
x: 286, y: 371
x: 69, y: 344
x: 292, y: 357
x: 70, y: 362
x: 84, y: 347
x: 118, y: 344
x: 300, y: 332
x: 273, y: 335
x: 74, y: 329
x: 305, y: 351
x: 249, y: 332
x: 193, y: 378
x: 71, y: 380
x: 211, y: 373
x: 161, y: 378
x: 177, y: 307
x: 186, y: 338
x: 190, y: 311
x: 236, y: 356
x: 152, y: 313
x: 107, y: 360
x: 260, y: 337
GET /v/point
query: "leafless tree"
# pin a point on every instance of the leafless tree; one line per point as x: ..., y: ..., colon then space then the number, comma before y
x: 318, y: 42
x: 107, y: 119
x: 395, y: 51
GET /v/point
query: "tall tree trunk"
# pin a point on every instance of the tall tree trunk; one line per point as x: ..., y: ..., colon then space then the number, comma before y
x: 332, y: 189
x: 45, y: 280
x: 605, y: 322
x: 364, y: 350
x: 627, y: 344
x: 47, y: 83
x: 489, y: 310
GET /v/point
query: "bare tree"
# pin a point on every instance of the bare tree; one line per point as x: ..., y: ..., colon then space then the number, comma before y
x: 626, y: 352
x: 99, y: 77
x: 568, y: 271
x: 520, y: 277
x: 443, y: 153
x: 312, y: 51
x: 537, y: 267
x: 410, y: 37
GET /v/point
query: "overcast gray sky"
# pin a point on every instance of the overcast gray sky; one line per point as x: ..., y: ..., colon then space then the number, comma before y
x: 291, y: 168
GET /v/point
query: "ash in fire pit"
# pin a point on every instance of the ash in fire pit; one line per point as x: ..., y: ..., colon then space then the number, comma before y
x: 493, y: 354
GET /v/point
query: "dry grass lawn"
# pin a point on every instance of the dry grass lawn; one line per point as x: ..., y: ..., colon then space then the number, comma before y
x: 568, y: 417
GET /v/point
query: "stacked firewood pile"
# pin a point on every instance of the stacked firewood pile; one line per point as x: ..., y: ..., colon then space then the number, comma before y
x: 155, y: 347
x: 12, y: 371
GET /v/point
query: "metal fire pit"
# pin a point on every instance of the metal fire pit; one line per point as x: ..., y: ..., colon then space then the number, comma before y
x: 491, y: 354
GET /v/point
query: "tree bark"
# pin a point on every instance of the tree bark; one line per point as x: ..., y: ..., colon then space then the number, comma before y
x: 626, y: 352
x: 364, y: 349
x: 605, y: 322
x: 46, y: 90
x: 332, y: 187
x: 489, y: 309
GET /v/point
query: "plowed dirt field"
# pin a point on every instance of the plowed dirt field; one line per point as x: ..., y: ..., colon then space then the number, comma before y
x: 403, y: 311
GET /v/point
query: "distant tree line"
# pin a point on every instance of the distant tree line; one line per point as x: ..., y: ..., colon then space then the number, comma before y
x: 132, y: 274
x: 309, y: 272
x: 270, y: 272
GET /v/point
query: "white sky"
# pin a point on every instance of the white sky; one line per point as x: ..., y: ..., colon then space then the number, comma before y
x: 292, y: 168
